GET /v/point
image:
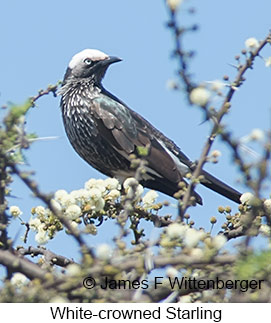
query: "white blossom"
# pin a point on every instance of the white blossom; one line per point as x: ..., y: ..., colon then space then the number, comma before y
x: 97, y: 205
x: 60, y: 194
x: 247, y: 198
x: 265, y: 230
x: 113, y: 194
x: 185, y: 299
x: 149, y: 199
x: 96, y: 183
x: 76, y: 194
x: 96, y: 201
x: 171, y: 84
x: 197, y: 253
x: 64, y: 198
x: 81, y: 195
x: 58, y: 299
x: 91, y: 229
x: 172, y: 272
x: 90, y: 183
x: 35, y: 224
x: 219, y: 241
x: 251, y: 44
x: 194, y: 274
x: 15, y: 211
x: 267, y: 205
x: 174, y: 4
x: 200, y: 96
x: 138, y: 193
x: 95, y: 193
x: 112, y: 183
x: 132, y: 188
x: 176, y: 230
x: 68, y: 200
x: 104, y: 251
x: 42, y: 237
x: 130, y: 181
x: 216, y: 153
x: 267, y: 61
x: 73, y: 269
x: 19, y: 279
x: 73, y: 212
x: 192, y: 237
x: 256, y: 135
x: 40, y: 210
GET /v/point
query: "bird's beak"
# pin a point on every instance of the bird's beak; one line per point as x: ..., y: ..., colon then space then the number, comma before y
x: 110, y: 60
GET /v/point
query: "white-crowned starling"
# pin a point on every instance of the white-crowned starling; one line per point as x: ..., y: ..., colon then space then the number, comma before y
x: 104, y: 131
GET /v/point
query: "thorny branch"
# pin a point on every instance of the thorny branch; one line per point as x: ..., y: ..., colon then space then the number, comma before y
x: 30, y: 269
x: 50, y: 258
x: 50, y: 89
x: 47, y: 199
x: 217, y: 121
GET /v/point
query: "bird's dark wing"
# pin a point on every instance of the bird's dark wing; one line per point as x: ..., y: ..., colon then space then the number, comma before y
x: 209, y: 180
x: 168, y: 143
x: 126, y: 132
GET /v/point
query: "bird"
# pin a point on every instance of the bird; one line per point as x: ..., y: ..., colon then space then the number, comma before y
x: 104, y: 131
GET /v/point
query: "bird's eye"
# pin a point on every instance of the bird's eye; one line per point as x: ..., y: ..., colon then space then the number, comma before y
x: 88, y: 61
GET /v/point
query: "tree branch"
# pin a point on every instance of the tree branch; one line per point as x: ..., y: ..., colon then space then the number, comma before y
x: 222, y: 111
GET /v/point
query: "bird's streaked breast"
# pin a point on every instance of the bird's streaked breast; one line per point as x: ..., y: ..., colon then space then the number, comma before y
x: 81, y: 128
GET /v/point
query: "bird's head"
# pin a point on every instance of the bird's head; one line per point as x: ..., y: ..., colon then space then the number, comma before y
x: 89, y: 63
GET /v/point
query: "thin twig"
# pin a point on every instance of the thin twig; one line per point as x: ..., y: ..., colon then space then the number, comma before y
x: 50, y: 89
x: 222, y: 111
x: 47, y: 199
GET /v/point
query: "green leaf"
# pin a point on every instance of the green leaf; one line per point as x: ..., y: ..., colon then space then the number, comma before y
x: 15, y: 112
x: 142, y: 151
x: 254, y: 266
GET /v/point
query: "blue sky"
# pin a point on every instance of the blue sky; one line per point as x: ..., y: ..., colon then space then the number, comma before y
x: 39, y: 38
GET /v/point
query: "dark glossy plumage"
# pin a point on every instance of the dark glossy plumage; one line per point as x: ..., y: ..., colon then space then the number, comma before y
x: 104, y: 131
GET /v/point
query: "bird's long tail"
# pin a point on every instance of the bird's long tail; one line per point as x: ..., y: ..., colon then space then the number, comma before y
x: 218, y: 186
x: 167, y: 187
